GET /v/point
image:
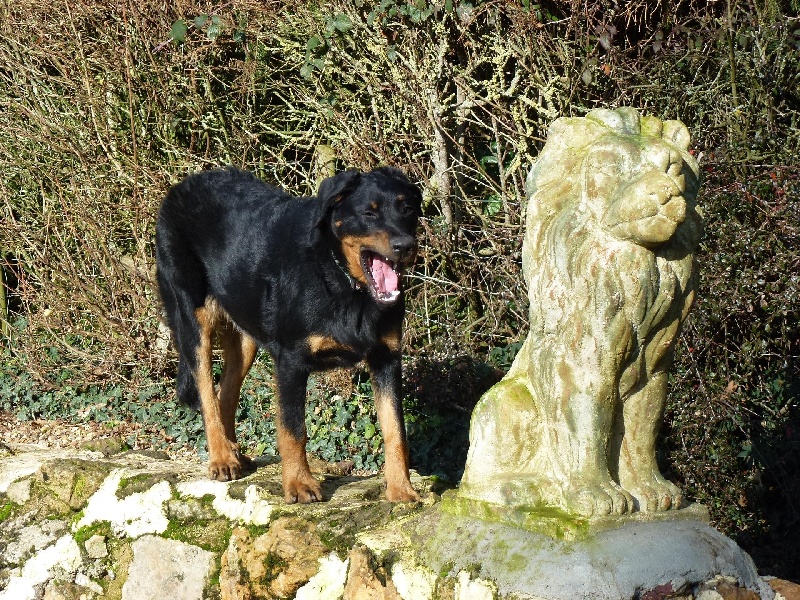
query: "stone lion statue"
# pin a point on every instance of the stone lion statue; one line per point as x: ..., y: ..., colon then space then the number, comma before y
x: 607, y: 255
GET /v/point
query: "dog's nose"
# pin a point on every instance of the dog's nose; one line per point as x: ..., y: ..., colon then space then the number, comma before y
x: 402, y: 245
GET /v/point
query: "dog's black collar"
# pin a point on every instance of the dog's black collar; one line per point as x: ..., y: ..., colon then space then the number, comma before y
x: 354, y: 283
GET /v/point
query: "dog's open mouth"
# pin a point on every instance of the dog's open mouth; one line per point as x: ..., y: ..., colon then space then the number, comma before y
x: 383, y: 277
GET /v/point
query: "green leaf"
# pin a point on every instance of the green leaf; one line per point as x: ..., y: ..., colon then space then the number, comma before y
x: 178, y: 31
x: 200, y: 21
x: 342, y: 22
x: 214, y: 31
x: 369, y: 430
x: 313, y: 42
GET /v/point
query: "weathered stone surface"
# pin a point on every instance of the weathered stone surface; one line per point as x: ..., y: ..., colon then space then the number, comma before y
x: 367, y: 581
x: 233, y: 575
x: 29, y: 539
x: 611, y: 565
x: 354, y: 546
x: 60, y: 559
x: 785, y: 590
x: 329, y: 581
x: 67, y: 590
x: 164, y: 568
x: 607, y: 257
x: 96, y: 547
x: 19, y: 492
x: 274, y: 564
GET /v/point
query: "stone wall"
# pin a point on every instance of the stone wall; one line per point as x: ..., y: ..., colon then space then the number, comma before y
x: 89, y: 525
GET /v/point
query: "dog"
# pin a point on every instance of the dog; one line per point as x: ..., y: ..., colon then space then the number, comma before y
x: 314, y: 280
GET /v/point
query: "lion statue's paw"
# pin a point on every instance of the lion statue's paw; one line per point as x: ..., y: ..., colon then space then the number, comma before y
x: 655, y: 494
x: 597, y: 498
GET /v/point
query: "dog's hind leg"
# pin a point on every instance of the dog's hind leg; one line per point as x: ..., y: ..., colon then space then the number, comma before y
x: 299, y: 484
x: 223, y: 453
x: 239, y: 351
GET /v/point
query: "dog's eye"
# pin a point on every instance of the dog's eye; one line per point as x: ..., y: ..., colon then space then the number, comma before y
x: 406, y: 210
x: 370, y: 214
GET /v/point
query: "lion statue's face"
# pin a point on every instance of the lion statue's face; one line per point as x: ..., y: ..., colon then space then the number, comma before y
x: 633, y: 176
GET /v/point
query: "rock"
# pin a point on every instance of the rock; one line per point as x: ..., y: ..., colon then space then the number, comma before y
x: 160, y: 529
x: 367, y: 581
x: 233, y: 576
x: 328, y: 583
x: 85, y: 581
x: 786, y: 589
x: 55, y: 561
x: 474, y: 589
x: 163, y: 568
x: 274, y: 564
x: 286, y: 556
x: 19, y: 492
x: 72, y: 482
x: 32, y: 538
x: 106, y: 446
x: 641, y: 557
x: 723, y: 588
x: 66, y: 590
x: 96, y: 547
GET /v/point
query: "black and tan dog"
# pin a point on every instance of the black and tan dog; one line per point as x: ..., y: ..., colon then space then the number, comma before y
x: 316, y: 281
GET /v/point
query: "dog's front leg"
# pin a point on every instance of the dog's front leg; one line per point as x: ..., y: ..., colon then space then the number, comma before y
x: 298, y: 483
x: 385, y: 368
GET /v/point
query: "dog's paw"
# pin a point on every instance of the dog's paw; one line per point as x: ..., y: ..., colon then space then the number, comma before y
x: 304, y: 491
x: 225, y: 470
x: 230, y: 467
x: 401, y: 492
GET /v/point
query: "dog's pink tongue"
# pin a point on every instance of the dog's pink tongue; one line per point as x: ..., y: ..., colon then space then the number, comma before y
x: 384, y: 276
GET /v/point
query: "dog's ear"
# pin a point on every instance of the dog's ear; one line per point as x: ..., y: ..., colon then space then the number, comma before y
x: 332, y: 190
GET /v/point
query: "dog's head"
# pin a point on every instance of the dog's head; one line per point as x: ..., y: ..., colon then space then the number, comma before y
x: 373, y: 218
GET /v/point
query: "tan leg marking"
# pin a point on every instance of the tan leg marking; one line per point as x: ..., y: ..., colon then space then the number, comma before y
x: 322, y: 343
x: 398, y: 483
x: 223, y: 452
x: 239, y: 352
x: 299, y: 484
x: 392, y: 340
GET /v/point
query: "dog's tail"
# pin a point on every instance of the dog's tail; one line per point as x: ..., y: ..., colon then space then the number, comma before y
x: 186, y: 387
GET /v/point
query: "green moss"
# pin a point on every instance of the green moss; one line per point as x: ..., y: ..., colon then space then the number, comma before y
x: 141, y: 483
x: 446, y: 568
x: 274, y: 565
x: 255, y: 530
x: 79, y: 486
x: 97, y: 528
x: 548, y: 520
x: 7, y: 510
x: 76, y: 517
x: 209, y: 534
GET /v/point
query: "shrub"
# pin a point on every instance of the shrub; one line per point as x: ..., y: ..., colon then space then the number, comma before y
x: 106, y: 104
